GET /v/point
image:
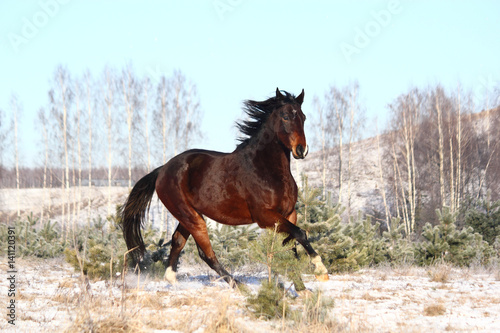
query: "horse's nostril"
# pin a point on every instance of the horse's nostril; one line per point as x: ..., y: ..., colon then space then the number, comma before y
x: 300, y: 151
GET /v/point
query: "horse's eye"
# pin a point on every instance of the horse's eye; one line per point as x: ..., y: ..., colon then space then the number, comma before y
x: 285, y: 117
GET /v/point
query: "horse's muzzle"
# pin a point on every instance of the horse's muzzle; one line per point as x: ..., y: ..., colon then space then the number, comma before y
x: 300, y: 152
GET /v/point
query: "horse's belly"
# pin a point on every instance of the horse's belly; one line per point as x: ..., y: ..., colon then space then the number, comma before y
x: 232, y: 212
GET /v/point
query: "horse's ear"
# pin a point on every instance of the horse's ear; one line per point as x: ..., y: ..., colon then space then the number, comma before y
x: 279, y: 95
x: 299, y: 99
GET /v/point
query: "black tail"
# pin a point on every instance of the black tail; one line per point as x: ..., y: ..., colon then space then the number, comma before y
x: 135, y: 212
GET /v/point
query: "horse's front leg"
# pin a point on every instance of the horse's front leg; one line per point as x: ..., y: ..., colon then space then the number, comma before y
x: 270, y: 218
x: 293, y: 219
x: 300, y: 235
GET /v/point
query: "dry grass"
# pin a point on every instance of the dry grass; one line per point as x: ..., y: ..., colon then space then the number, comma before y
x: 405, y: 294
x: 313, y: 311
x: 437, y: 309
x: 221, y: 320
x: 141, y: 311
x: 112, y: 322
x: 368, y: 297
x: 497, y: 273
x: 440, y: 273
x: 406, y: 270
x: 147, y: 300
x: 450, y: 328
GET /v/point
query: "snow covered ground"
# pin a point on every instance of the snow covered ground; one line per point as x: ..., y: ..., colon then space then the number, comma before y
x: 52, y: 297
x: 57, y: 201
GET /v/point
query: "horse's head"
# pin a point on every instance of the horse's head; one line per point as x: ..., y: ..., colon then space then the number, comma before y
x: 289, y: 124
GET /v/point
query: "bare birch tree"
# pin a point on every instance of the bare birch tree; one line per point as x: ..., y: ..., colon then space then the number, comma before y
x: 337, y: 107
x: 79, y: 97
x: 109, y: 100
x: 16, y: 111
x: 185, y: 112
x: 88, y: 95
x: 146, y: 88
x: 382, y: 181
x: 42, y: 121
x: 162, y: 115
x: 3, y: 143
x: 130, y: 102
x: 405, y: 121
x: 439, y: 115
x: 356, y: 118
x: 320, y: 122
x: 60, y: 100
x: 343, y: 122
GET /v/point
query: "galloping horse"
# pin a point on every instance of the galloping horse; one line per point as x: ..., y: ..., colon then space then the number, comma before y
x: 253, y: 184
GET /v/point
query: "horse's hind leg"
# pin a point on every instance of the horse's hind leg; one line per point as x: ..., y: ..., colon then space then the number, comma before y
x: 207, y: 253
x: 179, y: 239
x: 192, y: 223
x: 212, y: 261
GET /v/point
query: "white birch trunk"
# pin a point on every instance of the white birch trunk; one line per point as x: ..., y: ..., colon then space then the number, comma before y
x: 89, y: 114
x: 382, y: 184
x: 459, y: 157
x: 109, y: 123
x: 15, y: 109
x: 349, y: 157
x: 146, y: 129
x: 440, y: 152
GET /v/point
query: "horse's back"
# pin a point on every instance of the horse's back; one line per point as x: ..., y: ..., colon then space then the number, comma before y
x: 208, y: 181
x: 181, y: 169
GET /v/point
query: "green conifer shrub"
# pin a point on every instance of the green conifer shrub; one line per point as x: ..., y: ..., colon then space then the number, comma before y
x: 343, y: 247
x: 484, y: 218
x: 398, y: 248
x: 231, y: 244
x: 366, y: 238
x: 332, y: 240
x: 98, y: 250
x: 445, y: 243
x: 268, y: 249
x: 279, y: 259
x: 33, y: 238
x: 270, y: 301
x: 314, y: 310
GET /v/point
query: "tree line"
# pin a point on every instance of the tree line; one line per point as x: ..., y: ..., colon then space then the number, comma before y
x: 440, y: 149
x: 97, y: 128
x: 81, y: 127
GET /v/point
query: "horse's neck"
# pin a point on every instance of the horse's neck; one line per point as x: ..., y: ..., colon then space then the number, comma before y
x: 268, y: 149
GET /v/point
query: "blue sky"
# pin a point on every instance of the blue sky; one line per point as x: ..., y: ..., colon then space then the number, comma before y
x: 241, y: 49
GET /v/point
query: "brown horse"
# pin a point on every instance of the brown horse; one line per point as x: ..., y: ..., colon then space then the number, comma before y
x: 253, y: 184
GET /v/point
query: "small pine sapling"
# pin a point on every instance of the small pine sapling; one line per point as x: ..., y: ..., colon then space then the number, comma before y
x: 444, y: 242
x: 399, y: 248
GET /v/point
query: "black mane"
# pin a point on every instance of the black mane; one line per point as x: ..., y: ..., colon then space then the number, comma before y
x: 258, y: 112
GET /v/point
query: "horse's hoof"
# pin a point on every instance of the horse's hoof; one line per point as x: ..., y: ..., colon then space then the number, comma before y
x: 322, y: 277
x: 170, y: 276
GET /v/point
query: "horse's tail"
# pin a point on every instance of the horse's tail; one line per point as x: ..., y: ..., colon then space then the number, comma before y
x: 135, y: 211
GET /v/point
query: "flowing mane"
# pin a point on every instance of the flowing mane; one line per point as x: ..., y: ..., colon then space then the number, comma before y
x: 258, y: 112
